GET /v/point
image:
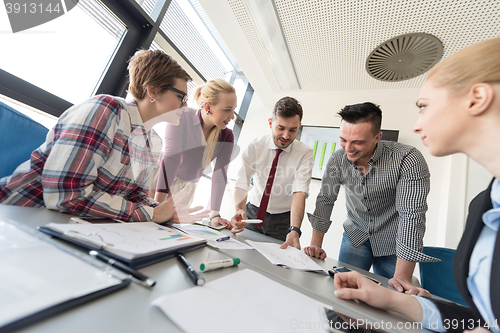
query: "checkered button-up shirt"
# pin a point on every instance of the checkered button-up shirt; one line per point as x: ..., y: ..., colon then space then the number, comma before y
x: 98, y: 160
x: 386, y: 206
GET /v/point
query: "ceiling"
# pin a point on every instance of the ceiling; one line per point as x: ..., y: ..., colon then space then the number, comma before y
x: 330, y: 40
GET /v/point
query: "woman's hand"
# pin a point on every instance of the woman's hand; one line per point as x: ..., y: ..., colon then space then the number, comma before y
x: 354, y: 286
x: 173, y: 208
x: 221, y: 221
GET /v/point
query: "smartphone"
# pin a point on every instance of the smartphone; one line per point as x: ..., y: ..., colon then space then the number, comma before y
x: 334, y: 322
x: 336, y: 270
x: 93, y: 220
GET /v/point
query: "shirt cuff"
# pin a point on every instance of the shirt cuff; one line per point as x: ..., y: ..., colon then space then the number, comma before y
x: 431, y: 317
x: 412, y: 255
x: 318, y: 223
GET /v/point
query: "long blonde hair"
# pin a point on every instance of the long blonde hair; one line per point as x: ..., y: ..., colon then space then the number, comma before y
x: 478, y: 63
x: 209, y: 92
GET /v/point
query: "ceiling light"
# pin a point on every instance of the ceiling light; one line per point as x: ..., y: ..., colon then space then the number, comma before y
x: 267, y: 25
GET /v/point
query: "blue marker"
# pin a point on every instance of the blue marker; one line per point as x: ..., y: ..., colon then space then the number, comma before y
x: 222, y: 238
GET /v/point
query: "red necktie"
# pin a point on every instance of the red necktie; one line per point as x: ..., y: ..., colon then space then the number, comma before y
x: 261, y: 215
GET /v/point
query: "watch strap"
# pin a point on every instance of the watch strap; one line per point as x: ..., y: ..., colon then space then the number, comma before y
x: 295, y: 229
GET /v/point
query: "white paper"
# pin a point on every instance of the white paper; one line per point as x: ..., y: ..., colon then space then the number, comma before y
x: 245, y: 301
x: 130, y: 240
x: 290, y: 257
x: 35, y: 275
x: 212, y: 235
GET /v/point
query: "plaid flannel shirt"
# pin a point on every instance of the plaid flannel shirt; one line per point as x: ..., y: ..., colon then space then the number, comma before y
x: 98, y: 160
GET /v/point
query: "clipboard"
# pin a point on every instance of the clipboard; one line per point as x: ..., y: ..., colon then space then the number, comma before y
x: 36, y: 277
x: 135, y: 263
x: 61, y: 307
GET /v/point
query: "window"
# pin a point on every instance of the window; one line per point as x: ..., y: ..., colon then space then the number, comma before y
x: 152, y: 7
x: 72, y: 55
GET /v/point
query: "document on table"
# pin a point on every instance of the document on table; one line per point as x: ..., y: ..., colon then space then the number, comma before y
x: 256, y: 302
x: 211, y: 236
x: 289, y: 257
x: 36, y: 275
x: 128, y: 240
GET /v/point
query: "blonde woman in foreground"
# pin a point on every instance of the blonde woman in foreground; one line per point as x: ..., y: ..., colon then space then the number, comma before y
x: 459, y: 113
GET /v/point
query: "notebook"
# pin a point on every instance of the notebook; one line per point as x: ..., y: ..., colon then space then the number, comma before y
x: 137, y: 244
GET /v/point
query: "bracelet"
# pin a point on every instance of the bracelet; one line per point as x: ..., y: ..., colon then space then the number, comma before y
x: 212, y: 217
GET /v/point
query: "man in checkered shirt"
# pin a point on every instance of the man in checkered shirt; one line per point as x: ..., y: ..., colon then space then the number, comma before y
x: 386, y: 185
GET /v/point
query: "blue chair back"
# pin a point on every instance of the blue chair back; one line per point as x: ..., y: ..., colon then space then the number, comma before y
x: 19, y: 136
x: 437, y: 277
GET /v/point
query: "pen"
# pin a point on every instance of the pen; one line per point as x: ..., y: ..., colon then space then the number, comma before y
x: 222, y: 239
x: 134, y: 275
x: 197, y: 280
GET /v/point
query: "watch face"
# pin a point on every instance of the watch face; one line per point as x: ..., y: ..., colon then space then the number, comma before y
x: 296, y: 229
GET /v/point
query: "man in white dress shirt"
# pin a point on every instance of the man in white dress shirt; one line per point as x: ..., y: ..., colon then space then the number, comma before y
x: 290, y: 187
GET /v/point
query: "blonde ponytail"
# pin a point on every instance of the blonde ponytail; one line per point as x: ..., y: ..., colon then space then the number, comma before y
x: 209, y: 92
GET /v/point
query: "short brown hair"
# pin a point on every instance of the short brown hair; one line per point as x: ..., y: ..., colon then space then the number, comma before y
x: 153, y: 68
x: 287, y: 107
x: 478, y: 63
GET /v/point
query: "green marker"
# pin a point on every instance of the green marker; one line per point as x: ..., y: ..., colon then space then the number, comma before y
x: 211, y: 265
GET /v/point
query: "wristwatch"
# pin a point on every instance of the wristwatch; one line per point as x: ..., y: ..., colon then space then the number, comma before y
x: 212, y: 217
x: 296, y: 229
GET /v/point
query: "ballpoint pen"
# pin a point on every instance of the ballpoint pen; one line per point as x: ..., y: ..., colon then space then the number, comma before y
x: 197, y: 280
x: 133, y: 274
x: 222, y: 238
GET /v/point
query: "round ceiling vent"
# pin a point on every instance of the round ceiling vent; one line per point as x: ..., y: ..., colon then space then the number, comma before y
x: 404, y: 57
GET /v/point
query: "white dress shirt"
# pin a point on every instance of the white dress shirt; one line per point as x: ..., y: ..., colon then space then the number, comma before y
x: 293, y: 173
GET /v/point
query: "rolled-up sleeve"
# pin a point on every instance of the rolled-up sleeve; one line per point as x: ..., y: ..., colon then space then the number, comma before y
x: 330, y: 186
x: 411, y: 204
x: 303, y: 174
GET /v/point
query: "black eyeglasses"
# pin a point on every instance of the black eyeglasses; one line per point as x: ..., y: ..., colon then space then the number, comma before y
x: 184, y: 95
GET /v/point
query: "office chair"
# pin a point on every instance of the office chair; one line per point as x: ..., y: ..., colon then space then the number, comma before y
x: 19, y: 136
x: 437, y: 277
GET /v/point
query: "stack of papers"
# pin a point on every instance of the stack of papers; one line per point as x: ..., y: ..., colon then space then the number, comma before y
x: 289, y: 257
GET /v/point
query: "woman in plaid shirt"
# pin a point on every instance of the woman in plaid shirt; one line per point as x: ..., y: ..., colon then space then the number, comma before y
x: 99, y: 158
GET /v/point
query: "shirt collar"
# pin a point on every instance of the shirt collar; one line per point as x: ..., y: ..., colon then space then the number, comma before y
x: 377, y: 153
x: 135, y: 116
x: 271, y: 145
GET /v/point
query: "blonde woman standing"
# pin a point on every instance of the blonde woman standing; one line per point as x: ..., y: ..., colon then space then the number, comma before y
x: 201, y: 137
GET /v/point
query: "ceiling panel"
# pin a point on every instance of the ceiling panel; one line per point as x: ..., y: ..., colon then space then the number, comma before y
x: 330, y: 40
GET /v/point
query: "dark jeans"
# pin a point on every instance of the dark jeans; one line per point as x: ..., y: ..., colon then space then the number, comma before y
x: 275, y: 225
